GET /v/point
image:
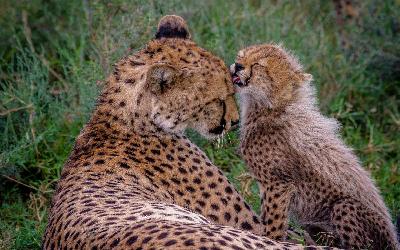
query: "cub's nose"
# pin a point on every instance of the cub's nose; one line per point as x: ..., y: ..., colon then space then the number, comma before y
x: 234, y: 68
x: 238, y: 67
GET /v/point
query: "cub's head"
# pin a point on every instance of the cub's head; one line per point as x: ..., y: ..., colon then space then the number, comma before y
x: 177, y: 85
x: 268, y: 75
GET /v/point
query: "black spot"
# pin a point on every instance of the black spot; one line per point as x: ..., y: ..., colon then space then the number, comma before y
x: 196, y: 160
x: 182, y: 170
x: 189, y: 242
x: 98, y: 162
x: 149, y: 159
x: 116, y: 74
x: 227, y: 217
x: 162, y: 235
x: 215, y: 207
x: 224, y: 201
x: 212, y: 185
x: 190, y: 189
x: 158, y: 169
x: 197, y: 180
x: 164, y: 182
x: 213, y: 217
x: 209, y: 173
x: 115, y: 243
x: 255, y: 220
x: 176, y: 181
x: 148, y: 172
x: 237, y: 207
x: 236, y: 247
x: 155, y: 151
x: 206, y: 195
x: 222, y: 242
x: 170, y: 243
x: 150, y: 227
x: 228, y: 190
x: 136, y: 63
x: 132, y: 240
x: 130, y: 218
x: 147, y: 239
x: 124, y: 165
x: 184, y: 60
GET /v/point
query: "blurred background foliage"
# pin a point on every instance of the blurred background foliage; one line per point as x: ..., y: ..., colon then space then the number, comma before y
x: 54, y: 56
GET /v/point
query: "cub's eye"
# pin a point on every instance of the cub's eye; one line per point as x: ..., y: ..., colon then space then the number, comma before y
x: 238, y: 67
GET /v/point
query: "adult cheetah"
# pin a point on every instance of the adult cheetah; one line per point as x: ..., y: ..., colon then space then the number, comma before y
x: 133, y: 180
x: 303, y: 168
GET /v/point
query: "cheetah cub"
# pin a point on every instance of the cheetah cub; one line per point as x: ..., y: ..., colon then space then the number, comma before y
x: 303, y: 168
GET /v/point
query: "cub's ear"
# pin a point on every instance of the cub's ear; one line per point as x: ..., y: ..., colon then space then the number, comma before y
x: 160, y: 77
x: 172, y: 27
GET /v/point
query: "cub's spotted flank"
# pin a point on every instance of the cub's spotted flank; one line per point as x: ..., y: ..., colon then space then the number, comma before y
x: 303, y: 168
x: 133, y: 181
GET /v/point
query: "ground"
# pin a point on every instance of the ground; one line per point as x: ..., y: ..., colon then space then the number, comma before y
x: 54, y: 56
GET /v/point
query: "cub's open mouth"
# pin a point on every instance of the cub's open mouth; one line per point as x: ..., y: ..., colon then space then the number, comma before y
x: 237, y: 81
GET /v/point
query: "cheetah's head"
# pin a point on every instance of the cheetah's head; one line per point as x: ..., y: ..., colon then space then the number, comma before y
x: 268, y: 75
x: 183, y: 85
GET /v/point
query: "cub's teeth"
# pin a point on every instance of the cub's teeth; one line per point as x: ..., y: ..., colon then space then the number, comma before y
x: 236, y: 80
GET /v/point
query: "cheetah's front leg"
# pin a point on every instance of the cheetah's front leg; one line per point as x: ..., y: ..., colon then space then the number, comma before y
x: 276, y: 196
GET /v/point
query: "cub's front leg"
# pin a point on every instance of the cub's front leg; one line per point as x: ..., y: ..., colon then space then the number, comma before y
x: 275, y: 198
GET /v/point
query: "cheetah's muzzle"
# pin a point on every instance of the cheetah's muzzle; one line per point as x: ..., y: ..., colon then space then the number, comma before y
x: 218, y: 130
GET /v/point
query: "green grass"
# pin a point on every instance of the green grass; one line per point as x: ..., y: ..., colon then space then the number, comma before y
x: 55, y: 55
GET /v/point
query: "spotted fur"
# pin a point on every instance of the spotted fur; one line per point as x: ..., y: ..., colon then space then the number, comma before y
x: 303, y: 167
x: 133, y: 180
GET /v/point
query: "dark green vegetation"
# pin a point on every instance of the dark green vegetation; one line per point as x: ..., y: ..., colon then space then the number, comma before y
x: 55, y: 55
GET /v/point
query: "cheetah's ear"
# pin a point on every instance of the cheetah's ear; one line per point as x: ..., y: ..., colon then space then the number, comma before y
x: 160, y: 77
x: 172, y: 27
